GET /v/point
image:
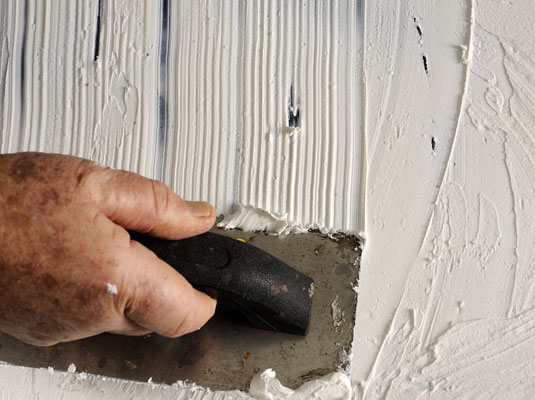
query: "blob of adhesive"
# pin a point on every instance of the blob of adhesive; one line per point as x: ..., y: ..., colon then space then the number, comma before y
x: 112, y: 289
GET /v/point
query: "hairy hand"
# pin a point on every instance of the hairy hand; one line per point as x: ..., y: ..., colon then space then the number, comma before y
x: 68, y: 268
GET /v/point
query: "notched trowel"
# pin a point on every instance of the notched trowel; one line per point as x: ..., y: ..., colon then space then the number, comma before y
x: 269, y: 293
x: 296, y: 301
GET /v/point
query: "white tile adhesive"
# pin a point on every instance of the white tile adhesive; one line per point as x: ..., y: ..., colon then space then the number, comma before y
x: 447, y: 298
x: 253, y: 106
x: 236, y: 103
x: 257, y: 107
x: 21, y: 382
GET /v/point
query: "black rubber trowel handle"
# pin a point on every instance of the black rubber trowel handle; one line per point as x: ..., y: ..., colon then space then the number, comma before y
x: 268, y: 292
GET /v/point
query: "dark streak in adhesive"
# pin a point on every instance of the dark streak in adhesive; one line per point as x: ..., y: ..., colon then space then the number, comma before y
x: 293, y: 111
x: 22, y: 56
x: 424, y: 58
x: 98, y: 27
x: 162, y: 89
x: 433, y: 143
x: 419, y: 31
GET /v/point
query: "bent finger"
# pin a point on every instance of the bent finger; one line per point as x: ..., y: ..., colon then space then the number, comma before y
x: 159, y: 299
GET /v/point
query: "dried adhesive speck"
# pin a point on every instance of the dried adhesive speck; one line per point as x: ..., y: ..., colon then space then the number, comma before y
x: 112, y: 289
x: 337, y: 313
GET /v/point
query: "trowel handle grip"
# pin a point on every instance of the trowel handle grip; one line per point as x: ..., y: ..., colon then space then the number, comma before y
x: 267, y: 291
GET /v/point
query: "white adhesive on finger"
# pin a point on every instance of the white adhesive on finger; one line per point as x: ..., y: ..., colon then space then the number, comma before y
x: 112, y: 289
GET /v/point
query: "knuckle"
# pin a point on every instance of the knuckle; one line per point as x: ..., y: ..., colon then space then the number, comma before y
x: 89, y: 178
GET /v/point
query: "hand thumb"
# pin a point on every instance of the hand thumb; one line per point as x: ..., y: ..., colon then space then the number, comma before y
x: 149, y: 206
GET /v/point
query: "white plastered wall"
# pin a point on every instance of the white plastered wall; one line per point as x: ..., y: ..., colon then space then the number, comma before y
x: 238, y: 103
x: 446, y: 301
x: 252, y: 103
x: 446, y: 296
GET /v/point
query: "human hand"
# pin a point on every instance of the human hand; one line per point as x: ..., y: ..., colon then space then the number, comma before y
x: 68, y: 268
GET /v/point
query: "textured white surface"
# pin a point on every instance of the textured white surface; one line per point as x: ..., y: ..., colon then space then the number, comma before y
x: 446, y: 301
x: 334, y: 386
x: 446, y: 297
x: 29, y: 383
x: 252, y: 219
x: 236, y: 102
x: 24, y: 383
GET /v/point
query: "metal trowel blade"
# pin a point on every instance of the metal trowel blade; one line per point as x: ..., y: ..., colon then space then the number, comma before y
x: 228, y: 351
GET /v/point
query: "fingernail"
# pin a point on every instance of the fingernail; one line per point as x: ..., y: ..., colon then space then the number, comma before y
x: 215, y: 306
x: 199, y: 208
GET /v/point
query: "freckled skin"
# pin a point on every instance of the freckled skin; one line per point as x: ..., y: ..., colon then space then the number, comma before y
x: 63, y: 239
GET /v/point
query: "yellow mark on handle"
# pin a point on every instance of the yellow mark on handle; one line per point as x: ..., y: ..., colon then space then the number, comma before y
x: 241, y: 240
